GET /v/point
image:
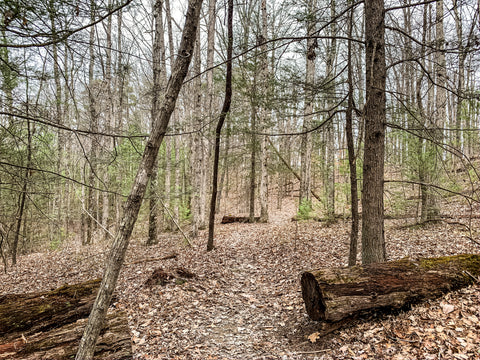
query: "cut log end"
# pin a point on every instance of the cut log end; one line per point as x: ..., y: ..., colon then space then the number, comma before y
x: 312, y: 296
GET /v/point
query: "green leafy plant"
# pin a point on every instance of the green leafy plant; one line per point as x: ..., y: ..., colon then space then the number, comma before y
x: 184, y: 212
x: 304, y: 210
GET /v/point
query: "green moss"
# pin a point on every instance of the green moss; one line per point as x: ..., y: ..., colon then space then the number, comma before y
x: 467, y: 262
x: 77, y: 290
x: 180, y: 281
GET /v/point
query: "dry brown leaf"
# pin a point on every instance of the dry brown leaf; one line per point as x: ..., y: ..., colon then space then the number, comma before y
x: 314, y: 337
x: 447, y: 308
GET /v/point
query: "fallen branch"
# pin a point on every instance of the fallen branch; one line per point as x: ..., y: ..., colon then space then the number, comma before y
x: 168, y: 257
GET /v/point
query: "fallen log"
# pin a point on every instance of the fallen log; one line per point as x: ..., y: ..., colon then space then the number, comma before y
x: 333, y: 294
x: 37, y: 312
x: 240, y: 219
x: 49, y: 325
x: 62, y: 343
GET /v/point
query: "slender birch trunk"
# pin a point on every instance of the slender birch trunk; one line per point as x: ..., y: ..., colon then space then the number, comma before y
x: 264, y: 115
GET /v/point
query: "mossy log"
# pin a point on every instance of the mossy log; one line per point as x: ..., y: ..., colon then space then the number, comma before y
x: 49, y: 325
x: 334, y: 294
x: 240, y: 219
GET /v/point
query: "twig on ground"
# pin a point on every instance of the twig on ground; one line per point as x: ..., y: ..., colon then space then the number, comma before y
x: 171, y: 256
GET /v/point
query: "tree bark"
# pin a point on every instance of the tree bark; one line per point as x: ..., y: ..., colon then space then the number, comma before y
x: 253, y: 154
x: 432, y: 210
x: 134, y: 201
x: 109, y: 144
x: 373, y: 238
x: 58, y: 198
x: 264, y: 114
x: 306, y: 140
x: 334, y: 294
x: 198, y: 158
x: 159, y: 80
x: 225, y: 110
x: 91, y: 217
x: 330, y: 134
x: 23, y: 195
x: 352, y: 160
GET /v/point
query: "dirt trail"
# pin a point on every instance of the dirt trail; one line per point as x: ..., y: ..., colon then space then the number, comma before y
x: 244, y: 296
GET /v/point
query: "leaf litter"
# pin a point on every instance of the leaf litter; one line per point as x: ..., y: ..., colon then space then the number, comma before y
x: 243, y: 300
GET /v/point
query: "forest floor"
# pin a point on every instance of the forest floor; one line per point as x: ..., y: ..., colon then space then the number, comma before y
x: 244, y: 300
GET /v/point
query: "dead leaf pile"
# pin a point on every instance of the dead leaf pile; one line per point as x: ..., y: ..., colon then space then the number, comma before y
x: 243, y: 299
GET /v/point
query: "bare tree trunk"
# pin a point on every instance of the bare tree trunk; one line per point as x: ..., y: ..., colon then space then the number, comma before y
x: 120, y: 99
x: 420, y: 143
x: 168, y: 216
x: 23, y: 194
x: 168, y: 182
x: 352, y: 160
x: 171, y: 45
x: 330, y: 159
x: 58, y: 198
x: 253, y: 154
x: 306, y: 142
x: 221, y: 120
x: 134, y: 201
x: 461, y: 78
x: 264, y: 116
x: 221, y: 184
x: 373, y: 237
x: 159, y: 79
x: 109, y: 121
x: 211, y: 52
x: 431, y: 210
x: 91, y: 216
x: 197, y: 157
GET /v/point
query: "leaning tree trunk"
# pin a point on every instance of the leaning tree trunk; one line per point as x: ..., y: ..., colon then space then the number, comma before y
x: 218, y: 131
x: 134, y: 201
x: 334, y: 294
